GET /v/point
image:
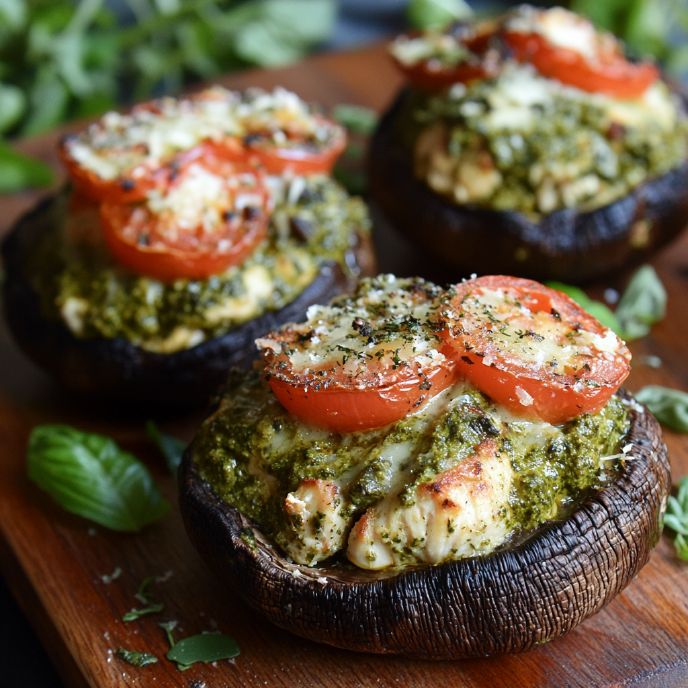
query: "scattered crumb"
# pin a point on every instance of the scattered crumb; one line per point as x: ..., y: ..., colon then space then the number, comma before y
x: 92, y: 532
x: 113, y: 576
x: 165, y: 577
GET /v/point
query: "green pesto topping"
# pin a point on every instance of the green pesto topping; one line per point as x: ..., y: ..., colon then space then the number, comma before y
x: 521, y: 142
x: 314, y: 221
x: 255, y: 455
x: 555, y: 475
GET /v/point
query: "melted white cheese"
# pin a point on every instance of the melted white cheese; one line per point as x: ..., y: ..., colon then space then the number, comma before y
x: 128, y: 144
x: 197, y: 200
x: 560, y: 27
x: 385, y: 321
x: 535, y: 338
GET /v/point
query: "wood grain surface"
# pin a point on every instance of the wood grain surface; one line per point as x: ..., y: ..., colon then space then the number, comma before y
x: 54, y: 561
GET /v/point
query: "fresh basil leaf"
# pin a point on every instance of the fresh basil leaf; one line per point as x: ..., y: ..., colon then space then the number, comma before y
x: 596, y: 308
x: 14, y: 13
x: 357, y: 119
x: 676, y: 518
x: 137, y: 659
x: 49, y: 100
x: 207, y: 647
x: 677, y: 523
x: 170, y: 447
x: 642, y: 304
x: 262, y: 44
x: 12, y: 105
x: 682, y: 494
x: 95, y: 105
x: 18, y: 171
x: 302, y: 21
x: 669, y: 406
x: 436, y: 14
x: 681, y: 544
x: 278, y: 32
x: 91, y: 476
x: 138, y: 613
x: 611, y: 15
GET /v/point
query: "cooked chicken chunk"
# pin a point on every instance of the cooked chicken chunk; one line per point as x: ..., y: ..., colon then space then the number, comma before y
x: 317, y: 524
x: 461, y: 512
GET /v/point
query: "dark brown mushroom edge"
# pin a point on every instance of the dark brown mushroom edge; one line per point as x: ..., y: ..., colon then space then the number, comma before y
x: 566, y: 245
x: 506, y: 602
x: 118, y: 371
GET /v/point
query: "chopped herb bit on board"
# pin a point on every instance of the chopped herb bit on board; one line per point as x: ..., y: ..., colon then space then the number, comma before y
x: 137, y: 659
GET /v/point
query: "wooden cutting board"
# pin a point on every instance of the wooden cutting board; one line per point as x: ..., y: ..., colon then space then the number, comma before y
x: 54, y: 562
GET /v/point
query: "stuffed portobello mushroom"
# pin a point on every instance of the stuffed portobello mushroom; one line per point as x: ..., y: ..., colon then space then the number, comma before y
x: 429, y: 472
x: 534, y: 136
x: 191, y: 226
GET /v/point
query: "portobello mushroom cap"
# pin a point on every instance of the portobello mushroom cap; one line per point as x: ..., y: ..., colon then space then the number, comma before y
x: 117, y: 370
x: 567, y: 245
x: 506, y: 602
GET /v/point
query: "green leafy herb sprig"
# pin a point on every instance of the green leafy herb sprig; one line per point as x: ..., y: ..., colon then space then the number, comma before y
x: 170, y: 447
x: 137, y: 659
x: 669, y: 406
x: 89, y: 475
x: 642, y: 304
x: 66, y: 59
x: 145, y: 597
x: 676, y: 518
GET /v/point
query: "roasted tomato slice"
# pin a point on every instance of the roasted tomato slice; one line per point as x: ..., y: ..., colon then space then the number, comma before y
x: 211, y: 217
x: 435, y: 61
x: 305, y: 147
x: 122, y: 157
x: 533, y: 349
x: 366, y: 360
x: 127, y: 188
x: 611, y: 74
x: 567, y: 47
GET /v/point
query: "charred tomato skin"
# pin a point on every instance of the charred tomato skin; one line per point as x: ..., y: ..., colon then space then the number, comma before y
x: 115, y: 371
x: 455, y: 610
x: 567, y: 245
